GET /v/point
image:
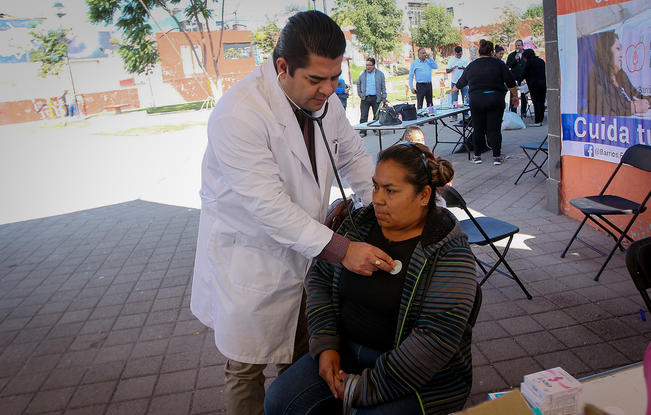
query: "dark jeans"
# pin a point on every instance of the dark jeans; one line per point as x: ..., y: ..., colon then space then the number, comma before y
x: 301, y: 391
x: 486, y: 110
x: 369, y: 101
x: 538, y: 96
x: 523, y: 104
x: 423, y: 90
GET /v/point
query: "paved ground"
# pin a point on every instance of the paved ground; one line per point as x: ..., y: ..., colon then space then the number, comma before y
x: 94, y: 315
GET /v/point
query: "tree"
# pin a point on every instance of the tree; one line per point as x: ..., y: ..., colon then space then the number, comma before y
x: 537, y: 28
x: 267, y: 36
x: 138, y: 49
x: 505, y: 31
x: 436, y: 29
x: 341, y: 12
x: 533, y: 11
x: 377, y: 25
x: 51, y: 51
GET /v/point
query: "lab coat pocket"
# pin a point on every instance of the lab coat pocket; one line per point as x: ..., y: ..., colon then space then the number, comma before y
x: 256, y: 268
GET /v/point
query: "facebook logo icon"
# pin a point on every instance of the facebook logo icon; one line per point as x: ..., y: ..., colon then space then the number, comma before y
x: 588, y: 150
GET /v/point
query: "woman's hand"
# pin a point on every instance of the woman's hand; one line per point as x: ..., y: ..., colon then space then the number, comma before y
x: 329, y: 368
x: 340, y: 383
x: 639, y: 106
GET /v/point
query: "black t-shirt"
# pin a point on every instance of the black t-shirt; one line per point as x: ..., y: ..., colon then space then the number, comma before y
x: 370, y: 305
x: 486, y: 74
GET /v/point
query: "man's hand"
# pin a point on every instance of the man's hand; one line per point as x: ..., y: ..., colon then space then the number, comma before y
x: 639, y: 106
x: 413, y: 91
x: 364, y: 259
x: 329, y: 368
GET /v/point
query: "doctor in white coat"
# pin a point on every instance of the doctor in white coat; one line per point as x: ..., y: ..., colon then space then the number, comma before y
x: 265, y: 191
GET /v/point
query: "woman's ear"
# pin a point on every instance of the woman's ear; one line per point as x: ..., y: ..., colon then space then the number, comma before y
x: 425, y: 196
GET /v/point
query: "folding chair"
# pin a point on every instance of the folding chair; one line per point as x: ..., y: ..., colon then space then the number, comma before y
x: 638, y: 262
x: 597, y: 207
x: 536, y: 147
x: 485, y: 231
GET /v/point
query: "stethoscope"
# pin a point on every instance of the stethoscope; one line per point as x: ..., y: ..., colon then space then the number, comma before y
x: 319, y: 121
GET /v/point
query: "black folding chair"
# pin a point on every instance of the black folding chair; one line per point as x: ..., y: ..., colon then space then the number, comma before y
x: 597, y: 207
x: 536, y: 147
x: 485, y: 231
x: 638, y: 262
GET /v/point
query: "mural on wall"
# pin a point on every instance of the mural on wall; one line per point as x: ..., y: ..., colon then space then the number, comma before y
x: 605, y: 60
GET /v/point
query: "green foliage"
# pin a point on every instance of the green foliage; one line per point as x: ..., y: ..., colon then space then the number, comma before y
x: 537, y: 28
x: 138, y: 49
x: 505, y: 31
x: 436, y: 29
x: 267, y: 36
x: 533, y: 11
x: 51, y: 51
x: 341, y: 13
x: 377, y: 25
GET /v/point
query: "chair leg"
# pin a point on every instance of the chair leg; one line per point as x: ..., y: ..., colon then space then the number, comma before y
x: 574, y: 236
x: 502, y: 259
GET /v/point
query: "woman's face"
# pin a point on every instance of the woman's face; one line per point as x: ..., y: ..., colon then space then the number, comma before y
x: 618, y: 56
x: 500, y: 54
x: 396, y: 203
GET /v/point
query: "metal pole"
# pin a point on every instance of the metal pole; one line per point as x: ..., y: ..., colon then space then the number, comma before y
x: 72, y: 81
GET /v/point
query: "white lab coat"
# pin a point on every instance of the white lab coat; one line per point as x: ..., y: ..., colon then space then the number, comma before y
x: 261, y: 215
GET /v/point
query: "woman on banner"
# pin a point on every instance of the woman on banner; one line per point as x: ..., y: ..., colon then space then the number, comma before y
x: 398, y: 342
x: 610, y: 92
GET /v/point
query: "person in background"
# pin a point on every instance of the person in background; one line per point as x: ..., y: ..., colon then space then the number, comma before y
x: 421, y: 69
x: 610, y: 92
x: 499, y: 52
x: 534, y: 75
x: 456, y: 65
x: 515, y: 62
x: 413, y: 135
x: 398, y: 342
x: 487, y: 77
x: 342, y: 91
x: 265, y: 188
x: 372, y: 89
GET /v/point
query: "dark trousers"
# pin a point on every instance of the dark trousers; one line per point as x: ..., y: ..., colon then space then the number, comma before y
x: 369, y: 101
x: 486, y: 111
x: 538, y: 96
x: 523, y: 104
x: 423, y: 90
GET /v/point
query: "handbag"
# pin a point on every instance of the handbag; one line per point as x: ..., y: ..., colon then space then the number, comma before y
x: 406, y: 111
x: 386, y: 115
x: 337, y: 212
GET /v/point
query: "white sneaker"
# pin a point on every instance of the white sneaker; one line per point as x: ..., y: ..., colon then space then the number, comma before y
x: 536, y: 124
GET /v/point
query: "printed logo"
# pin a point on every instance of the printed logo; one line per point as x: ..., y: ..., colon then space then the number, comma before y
x: 588, y: 150
x: 635, y: 57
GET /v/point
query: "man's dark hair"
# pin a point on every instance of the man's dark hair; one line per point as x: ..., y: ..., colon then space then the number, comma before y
x: 528, y: 54
x: 498, y: 48
x: 519, y: 40
x: 458, y: 49
x: 372, y: 60
x: 306, y: 33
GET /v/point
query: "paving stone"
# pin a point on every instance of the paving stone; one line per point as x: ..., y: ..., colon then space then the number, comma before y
x: 135, y: 407
x: 520, y: 325
x: 208, y: 400
x: 486, y: 379
x: 170, y: 404
x: 176, y: 382
x: 513, y: 371
x: 15, y: 405
x: 210, y: 376
x: 50, y: 400
x: 539, y: 343
x: 501, y: 349
x: 149, y: 348
x: 140, y: 387
x: 554, y: 319
x: 86, y: 410
x: 610, y: 329
x: 64, y: 377
x: 24, y: 384
x: 92, y: 394
x: 586, y: 312
x: 180, y: 361
x: 600, y: 356
x: 101, y: 372
x: 143, y: 366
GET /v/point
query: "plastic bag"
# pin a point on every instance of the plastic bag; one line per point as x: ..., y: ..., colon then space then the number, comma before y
x: 512, y: 121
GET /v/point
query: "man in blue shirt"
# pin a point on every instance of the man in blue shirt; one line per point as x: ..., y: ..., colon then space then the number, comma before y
x: 421, y: 69
x: 372, y: 90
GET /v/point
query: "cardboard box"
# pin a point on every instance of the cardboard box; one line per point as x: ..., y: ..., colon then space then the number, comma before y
x: 511, y: 403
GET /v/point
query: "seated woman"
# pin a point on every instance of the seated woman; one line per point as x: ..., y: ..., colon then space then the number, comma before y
x: 392, y: 343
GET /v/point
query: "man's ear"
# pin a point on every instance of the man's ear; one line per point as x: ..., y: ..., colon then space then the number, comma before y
x: 282, y: 66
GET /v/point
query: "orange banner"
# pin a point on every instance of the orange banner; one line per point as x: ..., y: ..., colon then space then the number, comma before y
x: 573, y: 6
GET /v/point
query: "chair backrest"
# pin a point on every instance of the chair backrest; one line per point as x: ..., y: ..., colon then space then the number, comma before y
x: 638, y: 156
x: 452, y: 197
x: 638, y: 262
